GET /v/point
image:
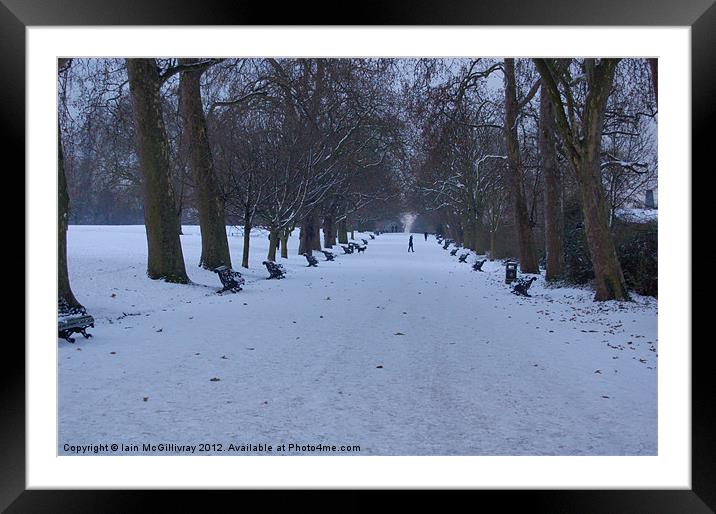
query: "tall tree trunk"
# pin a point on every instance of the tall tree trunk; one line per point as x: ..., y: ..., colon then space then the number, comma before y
x: 214, y: 243
x: 284, y: 243
x: 528, y: 255
x: 328, y: 229
x: 309, y: 235
x: 316, y: 241
x: 247, y: 242
x: 584, y: 149
x: 273, y: 242
x: 492, y: 246
x: 165, y: 259
x: 303, y: 238
x: 467, y: 234
x: 609, y: 279
x: 478, y: 235
x: 64, y: 291
x: 342, y: 232
x: 553, y: 207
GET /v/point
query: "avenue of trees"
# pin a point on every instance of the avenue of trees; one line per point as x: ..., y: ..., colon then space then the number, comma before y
x: 522, y: 142
x: 506, y: 156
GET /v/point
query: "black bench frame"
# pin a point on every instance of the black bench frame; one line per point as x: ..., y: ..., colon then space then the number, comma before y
x: 73, y: 320
x: 275, y: 270
x: 230, y: 279
x: 477, y: 266
x: 522, y: 286
x: 312, y: 261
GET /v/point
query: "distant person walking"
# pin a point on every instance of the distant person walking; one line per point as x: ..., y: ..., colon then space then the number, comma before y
x: 410, y: 244
x: 426, y: 236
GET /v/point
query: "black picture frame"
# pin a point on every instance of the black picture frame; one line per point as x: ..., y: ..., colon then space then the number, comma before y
x: 700, y: 15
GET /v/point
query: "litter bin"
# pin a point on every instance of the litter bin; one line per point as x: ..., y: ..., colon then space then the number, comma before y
x: 510, y: 271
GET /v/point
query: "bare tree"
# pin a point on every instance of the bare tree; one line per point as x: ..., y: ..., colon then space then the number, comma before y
x: 64, y: 291
x: 525, y: 238
x: 208, y: 200
x: 165, y: 259
x: 553, y: 191
x: 581, y: 136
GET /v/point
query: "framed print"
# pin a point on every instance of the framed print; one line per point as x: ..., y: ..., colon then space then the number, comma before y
x: 348, y: 350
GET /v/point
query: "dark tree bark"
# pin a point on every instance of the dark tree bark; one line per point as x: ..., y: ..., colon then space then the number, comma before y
x: 247, y: 242
x: 310, y: 236
x: 525, y: 238
x: 583, y: 146
x: 284, y: 242
x: 273, y: 243
x: 165, y: 259
x: 342, y: 232
x: 328, y: 230
x: 553, y: 191
x: 64, y: 291
x: 208, y: 201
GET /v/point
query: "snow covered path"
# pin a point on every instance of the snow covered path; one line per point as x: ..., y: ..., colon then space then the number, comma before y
x: 401, y: 354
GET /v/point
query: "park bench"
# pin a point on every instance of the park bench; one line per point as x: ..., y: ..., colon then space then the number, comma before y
x: 371, y: 236
x: 361, y: 248
x: 522, y: 286
x: 72, y: 320
x: 365, y: 241
x: 463, y: 257
x: 230, y: 279
x: 275, y: 270
x: 453, y: 251
x: 478, y: 265
x: 329, y: 255
x: 312, y: 261
x: 347, y: 249
x: 446, y: 244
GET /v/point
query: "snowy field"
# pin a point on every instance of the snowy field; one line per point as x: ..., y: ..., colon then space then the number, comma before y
x: 398, y: 353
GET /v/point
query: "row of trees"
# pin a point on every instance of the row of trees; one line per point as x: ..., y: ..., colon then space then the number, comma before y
x: 276, y: 143
x: 484, y: 150
x: 510, y: 141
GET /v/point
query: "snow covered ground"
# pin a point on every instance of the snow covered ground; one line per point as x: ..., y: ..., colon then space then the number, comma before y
x: 398, y: 353
x: 634, y: 215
